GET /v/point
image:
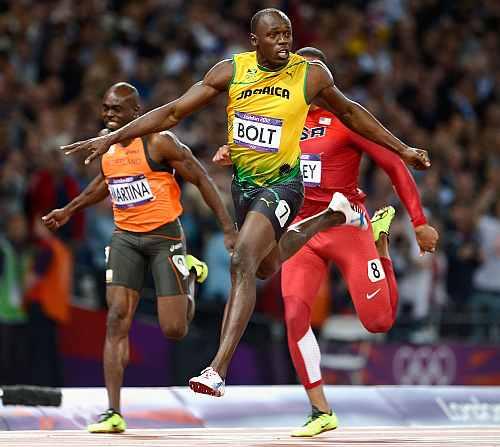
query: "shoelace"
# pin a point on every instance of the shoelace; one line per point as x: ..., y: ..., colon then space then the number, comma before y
x: 308, y: 420
x: 383, y: 212
x: 313, y: 417
x: 106, y: 415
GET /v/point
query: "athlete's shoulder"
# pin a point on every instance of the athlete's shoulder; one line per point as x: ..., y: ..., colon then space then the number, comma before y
x: 223, y: 64
x: 166, y: 137
x: 245, y: 56
x: 297, y: 59
x: 220, y: 75
x: 318, y: 78
x: 167, y: 146
x: 244, y: 60
x: 319, y: 69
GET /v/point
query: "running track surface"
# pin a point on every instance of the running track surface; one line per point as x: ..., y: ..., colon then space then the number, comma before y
x: 246, y: 437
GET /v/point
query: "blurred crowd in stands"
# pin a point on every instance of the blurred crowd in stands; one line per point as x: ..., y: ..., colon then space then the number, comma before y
x: 428, y: 69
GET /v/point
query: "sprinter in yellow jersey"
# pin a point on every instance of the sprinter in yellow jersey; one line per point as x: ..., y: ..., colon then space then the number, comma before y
x: 265, y: 112
x: 269, y: 91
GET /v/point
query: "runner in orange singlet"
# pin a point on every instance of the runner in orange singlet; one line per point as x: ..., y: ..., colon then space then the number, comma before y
x: 138, y: 174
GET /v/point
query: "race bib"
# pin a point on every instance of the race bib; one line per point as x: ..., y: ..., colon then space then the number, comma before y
x: 310, y: 165
x: 127, y: 192
x: 259, y: 133
x: 375, y: 270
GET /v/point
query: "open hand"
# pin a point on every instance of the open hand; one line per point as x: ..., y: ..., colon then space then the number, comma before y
x: 95, y: 147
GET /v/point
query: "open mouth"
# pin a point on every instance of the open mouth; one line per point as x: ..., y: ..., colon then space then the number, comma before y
x: 283, y: 53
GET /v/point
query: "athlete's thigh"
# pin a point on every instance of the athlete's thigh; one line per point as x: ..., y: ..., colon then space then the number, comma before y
x: 255, y: 240
x: 172, y: 310
x: 125, y: 263
x: 302, y: 275
x: 166, y: 248
x: 354, y: 252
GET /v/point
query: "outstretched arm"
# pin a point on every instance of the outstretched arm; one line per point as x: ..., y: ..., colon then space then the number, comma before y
x: 163, y: 117
x: 399, y: 174
x: 95, y: 192
x: 321, y: 88
x: 406, y: 189
x: 180, y: 157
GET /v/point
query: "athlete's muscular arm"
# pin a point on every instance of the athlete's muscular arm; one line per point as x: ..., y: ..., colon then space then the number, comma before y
x: 180, y: 157
x: 406, y: 188
x: 398, y: 173
x: 95, y: 192
x: 321, y: 88
x: 164, y: 117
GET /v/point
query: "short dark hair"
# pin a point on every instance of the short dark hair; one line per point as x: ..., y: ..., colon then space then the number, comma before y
x: 264, y: 12
x: 126, y: 91
x: 311, y: 51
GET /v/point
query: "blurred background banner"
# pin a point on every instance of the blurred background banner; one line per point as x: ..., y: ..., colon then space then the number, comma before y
x: 266, y: 406
x: 154, y: 361
x: 437, y: 364
x: 428, y: 69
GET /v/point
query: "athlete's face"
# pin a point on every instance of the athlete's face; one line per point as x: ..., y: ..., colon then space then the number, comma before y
x: 118, y: 110
x: 273, y: 40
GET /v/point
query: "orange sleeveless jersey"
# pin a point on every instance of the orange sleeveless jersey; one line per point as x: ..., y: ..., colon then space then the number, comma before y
x: 144, y: 194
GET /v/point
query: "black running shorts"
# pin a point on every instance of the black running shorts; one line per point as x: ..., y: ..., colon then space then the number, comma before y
x: 280, y: 202
x: 162, y: 250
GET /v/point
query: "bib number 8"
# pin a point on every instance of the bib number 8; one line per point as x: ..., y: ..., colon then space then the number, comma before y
x: 375, y: 270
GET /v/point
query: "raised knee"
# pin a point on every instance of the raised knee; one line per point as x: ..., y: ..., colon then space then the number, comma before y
x: 175, y: 331
x: 380, y: 324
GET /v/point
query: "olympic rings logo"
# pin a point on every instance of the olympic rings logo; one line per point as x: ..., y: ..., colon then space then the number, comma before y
x: 424, y: 365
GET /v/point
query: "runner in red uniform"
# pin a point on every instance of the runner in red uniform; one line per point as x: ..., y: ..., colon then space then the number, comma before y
x: 331, y: 155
